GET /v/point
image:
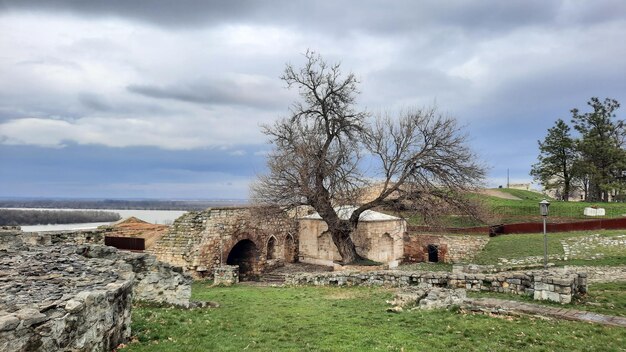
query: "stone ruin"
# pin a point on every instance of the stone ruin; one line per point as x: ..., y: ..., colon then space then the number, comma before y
x: 254, y: 239
x: 226, y: 275
x: 76, y: 296
x: 426, y: 297
x: 557, y: 286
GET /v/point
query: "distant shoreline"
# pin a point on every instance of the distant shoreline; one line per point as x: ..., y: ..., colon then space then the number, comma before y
x: 144, y: 204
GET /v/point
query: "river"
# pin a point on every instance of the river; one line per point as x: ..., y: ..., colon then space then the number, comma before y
x: 152, y: 216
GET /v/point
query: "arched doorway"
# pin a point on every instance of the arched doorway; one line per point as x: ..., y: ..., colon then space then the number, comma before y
x: 271, y: 248
x: 433, y: 253
x: 290, y: 249
x: 246, y: 255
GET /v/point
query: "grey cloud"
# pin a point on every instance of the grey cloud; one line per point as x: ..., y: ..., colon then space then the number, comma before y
x: 94, y: 102
x: 215, y: 93
x: 51, y: 61
x: 182, y: 13
x: 339, y: 16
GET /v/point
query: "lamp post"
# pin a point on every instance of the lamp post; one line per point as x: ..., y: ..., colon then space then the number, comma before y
x: 543, y: 210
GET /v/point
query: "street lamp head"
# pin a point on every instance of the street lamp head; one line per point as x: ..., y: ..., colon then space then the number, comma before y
x: 543, y: 207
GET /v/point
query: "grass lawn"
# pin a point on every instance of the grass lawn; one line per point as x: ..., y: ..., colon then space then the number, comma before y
x: 526, y: 209
x: 347, y: 319
x: 524, y: 245
x: 604, y: 298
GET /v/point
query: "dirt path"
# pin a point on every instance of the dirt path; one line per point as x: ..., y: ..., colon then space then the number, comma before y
x: 498, y: 194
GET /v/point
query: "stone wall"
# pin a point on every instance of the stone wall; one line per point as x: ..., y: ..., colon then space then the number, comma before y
x: 248, y: 237
x: 554, y: 286
x: 70, y: 237
x: 450, y: 249
x: 155, y: 281
x: 52, y: 299
x: 76, y: 297
x: 380, y: 241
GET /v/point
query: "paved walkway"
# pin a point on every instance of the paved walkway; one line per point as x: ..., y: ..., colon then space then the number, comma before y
x: 555, y: 312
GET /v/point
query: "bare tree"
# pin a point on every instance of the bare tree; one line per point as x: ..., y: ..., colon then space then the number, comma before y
x: 322, y: 149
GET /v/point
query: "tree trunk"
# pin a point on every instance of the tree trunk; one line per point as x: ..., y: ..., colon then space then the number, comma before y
x: 342, y: 240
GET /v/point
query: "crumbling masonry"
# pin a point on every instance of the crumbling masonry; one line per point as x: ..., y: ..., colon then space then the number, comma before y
x: 255, y: 239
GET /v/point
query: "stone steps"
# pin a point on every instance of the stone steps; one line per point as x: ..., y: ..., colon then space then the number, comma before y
x: 273, y: 278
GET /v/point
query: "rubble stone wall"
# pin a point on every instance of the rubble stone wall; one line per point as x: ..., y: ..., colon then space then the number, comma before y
x: 450, y: 249
x: 199, y: 241
x: 53, y: 299
x: 76, y: 297
x: 542, y: 285
x: 155, y: 281
x: 70, y: 237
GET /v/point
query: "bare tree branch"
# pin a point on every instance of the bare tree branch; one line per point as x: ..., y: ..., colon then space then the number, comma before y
x: 423, y: 156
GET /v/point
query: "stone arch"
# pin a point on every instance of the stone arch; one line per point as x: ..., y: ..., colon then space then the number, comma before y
x: 271, y: 248
x: 245, y: 254
x: 290, y: 249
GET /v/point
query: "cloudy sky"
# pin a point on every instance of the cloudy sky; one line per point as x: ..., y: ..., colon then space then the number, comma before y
x: 164, y: 99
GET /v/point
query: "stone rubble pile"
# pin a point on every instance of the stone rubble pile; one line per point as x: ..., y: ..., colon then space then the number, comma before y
x: 427, y: 298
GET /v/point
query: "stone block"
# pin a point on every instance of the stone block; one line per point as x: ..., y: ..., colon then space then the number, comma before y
x: 73, y: 306
x: 30, y: 316
x: 9, y: 322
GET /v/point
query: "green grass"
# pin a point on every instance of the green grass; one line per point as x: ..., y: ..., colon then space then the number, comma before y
x: 347, y: 319
x: 506, y: 211
x: 528, y: 209
x: 524, y: 195
x: 525, y: 245
x: 603, y: 298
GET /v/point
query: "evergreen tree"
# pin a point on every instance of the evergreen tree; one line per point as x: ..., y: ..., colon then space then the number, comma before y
x: 600, y: 147
x: 557, y: 155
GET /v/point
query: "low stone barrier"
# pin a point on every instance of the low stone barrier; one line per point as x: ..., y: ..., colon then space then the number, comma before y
x: 557, y: 287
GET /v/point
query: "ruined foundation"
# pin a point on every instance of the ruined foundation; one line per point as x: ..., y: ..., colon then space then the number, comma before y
x: 557, y: 286
x: 76, y: 297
